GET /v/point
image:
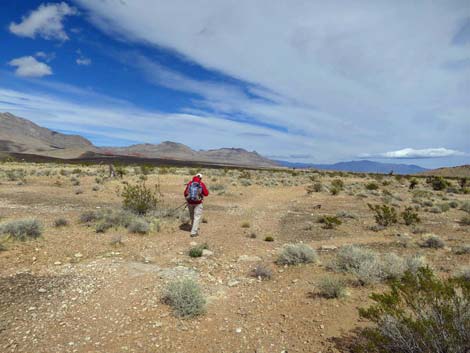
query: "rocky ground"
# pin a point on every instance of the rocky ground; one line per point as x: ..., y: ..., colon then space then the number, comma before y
x: 76, y: 290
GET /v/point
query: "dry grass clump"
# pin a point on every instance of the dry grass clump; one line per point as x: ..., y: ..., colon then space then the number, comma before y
x: 139, y: 226
x: 185, y: 297
x: 262, y: 272
x: 61, y: 222
x: 432, y: 241
x: 294, y: 254
x: 22, y: 229
x: 464, y: 273
x: 331, y: 287
x: 370, y: 267
x: 465, y: 220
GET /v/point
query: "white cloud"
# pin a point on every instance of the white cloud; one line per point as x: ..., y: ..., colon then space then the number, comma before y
x: 28, y: 66
x: 45, y: 21
x: 83, y: 61
x: 348, y: 77
x: 48, y: 57
x: 411, y: 153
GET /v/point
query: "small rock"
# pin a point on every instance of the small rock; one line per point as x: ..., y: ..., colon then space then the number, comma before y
x: 248, y: 258
x: 41, y: 290
x: 193, y: 243
x: 57, y: 263
x: 78, y: 255
x: 238, y: 330
x: 328, y: 247
x: 233, y: 283
x: 206, y: 252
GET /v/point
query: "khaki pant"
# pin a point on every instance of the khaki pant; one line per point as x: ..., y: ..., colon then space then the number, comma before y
x: 195, y: 213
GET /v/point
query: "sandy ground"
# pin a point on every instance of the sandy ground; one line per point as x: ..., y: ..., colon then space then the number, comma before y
x: 72, y: 290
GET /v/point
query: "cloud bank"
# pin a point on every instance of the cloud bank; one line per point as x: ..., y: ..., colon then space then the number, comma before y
x: 45, y: 21
x: 411, y: 153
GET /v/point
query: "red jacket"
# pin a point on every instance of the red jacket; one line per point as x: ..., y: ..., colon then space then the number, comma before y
x: 205, y: 192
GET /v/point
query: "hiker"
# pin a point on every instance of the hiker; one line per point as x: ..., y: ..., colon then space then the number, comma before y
x: 194, y: 193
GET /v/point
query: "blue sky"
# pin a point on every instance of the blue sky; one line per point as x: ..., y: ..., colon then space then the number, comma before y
x: 303, y: 80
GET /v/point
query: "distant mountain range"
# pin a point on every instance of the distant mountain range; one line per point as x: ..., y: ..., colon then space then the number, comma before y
x: 19, y: 135
x: 361, y: 166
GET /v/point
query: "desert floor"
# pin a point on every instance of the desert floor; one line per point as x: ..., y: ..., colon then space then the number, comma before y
x: 76, y: 290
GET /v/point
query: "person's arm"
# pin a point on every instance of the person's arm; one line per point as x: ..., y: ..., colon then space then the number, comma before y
x: 205, y: 192
x: 186, y: 190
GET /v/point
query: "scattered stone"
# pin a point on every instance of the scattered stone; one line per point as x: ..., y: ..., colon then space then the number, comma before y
x: 57, y: 263
x: 206, y: 252
x: 328, y: 247
x: 78, y: 255
x: 248, y: 258
x: 233, y: 283
x: 41, y: 290
x: 238, y: 330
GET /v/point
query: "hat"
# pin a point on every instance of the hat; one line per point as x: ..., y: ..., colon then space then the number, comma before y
x: 199, y: 175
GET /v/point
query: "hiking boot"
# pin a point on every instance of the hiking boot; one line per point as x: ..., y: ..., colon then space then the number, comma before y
x: 194, y: 235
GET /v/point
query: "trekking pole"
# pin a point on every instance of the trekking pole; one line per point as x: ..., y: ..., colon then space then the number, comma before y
x: 184, y: 204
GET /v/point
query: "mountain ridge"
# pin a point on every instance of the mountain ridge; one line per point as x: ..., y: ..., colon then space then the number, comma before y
x: 20, y: 135
x: 360, y: 166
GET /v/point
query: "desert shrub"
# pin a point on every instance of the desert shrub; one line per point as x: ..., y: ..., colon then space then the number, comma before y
x: 410, y: 217
x: 245, y: 174
x: 95, y: 188
x: 22, y: 229
x: 329, y: 222
x: 88, y: 217
x: 185, y: 297
x: 350, y: 257
x: 438, y: 183
x: 453, y: 204
x: 331, y: 287
x: 372, y: 186
x: 138, y: 226
x: 61, y: 222
x: 465, y: 220
x: 465, y: 206
x: 346, y: 214
x: 464, y: 273
x: 462, y: 250
x: 433, y: 241
x: 393, y: 266
x: 413, y: 183
x: 102, y: 226
x: 317, y: 187
x: 420, y: 314
x: 293, y: 254
x: 217, y: 187
x: 139, y: 198
x: 245, y: 225
x: 196, y: 251
x: 262, y: 272
x: 384, y: 215
x: 338, y: 184
x: 269, y: 238
x: 414, y: 263
x: 443, y: 207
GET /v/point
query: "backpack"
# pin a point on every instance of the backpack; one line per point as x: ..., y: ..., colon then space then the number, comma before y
x: 194, y: 192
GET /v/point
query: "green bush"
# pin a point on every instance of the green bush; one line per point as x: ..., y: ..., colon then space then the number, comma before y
x: 269, y: 238
x: 22, y: 229
x: 293, y: 254
x: 384, y: 215
x: 185, y: 297
x: 465, y: 206
x: 438, y: 183
x: 465, y: 220
x: 420, y: 314
x: 329, y: 222
x: 372, y: 186
x: 337, y: 184
x: 197, y: 251
x: 410, y: 217
x: 331, y: 287
x: 139, y: 199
